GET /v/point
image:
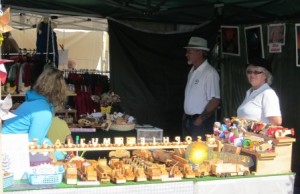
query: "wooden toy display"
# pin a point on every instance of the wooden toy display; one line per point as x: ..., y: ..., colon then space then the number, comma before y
x: 227, y: 152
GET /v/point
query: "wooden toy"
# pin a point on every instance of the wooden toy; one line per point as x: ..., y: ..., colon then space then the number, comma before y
x: 117, y: 176
x: 204, y: 169
x: 153, y: 173
x: 284, y: 132
x: 139, y: 174
x: 175, y: 172
x: 263, y: 147
x: 229, y: 169
x: 128, y: 172
x: 119, y: 153
x: 137, y: 168
x: 188, y: 172
x: 71, y: 175
x: 279, y: 131
x: 103, y: 171
x: 182, y: 164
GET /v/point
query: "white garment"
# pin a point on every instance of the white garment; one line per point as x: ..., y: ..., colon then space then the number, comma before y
x: 201, y: 87
x: 260, y: 104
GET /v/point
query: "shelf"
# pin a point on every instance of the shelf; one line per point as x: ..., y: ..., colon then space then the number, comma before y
x: 23, y: 95
x: 109, y: 147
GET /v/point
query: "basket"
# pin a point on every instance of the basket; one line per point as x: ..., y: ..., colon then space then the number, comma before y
x: 46, y: 179
x: 122, y: 127
x: 8, y: 180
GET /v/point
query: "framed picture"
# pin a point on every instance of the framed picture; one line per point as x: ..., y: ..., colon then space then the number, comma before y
x: 297, y: 33
x: 254, y: 41
x: 276, y: 34
x: 230, y: 40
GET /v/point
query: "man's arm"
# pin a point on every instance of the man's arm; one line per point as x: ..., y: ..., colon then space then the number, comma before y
x: 275, y: 120
x: 211, y: 106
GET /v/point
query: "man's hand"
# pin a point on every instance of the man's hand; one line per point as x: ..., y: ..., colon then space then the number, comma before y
x: 198, y: 121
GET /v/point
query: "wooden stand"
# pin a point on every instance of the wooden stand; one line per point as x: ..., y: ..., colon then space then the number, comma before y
x: 276, y: 162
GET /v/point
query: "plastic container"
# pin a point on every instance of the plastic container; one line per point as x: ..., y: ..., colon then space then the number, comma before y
x: 8, y: 180
x: 46, y: 179
x: 149, y: 133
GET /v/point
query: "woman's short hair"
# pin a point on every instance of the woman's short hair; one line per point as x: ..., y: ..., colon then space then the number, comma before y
x: 269, y: 76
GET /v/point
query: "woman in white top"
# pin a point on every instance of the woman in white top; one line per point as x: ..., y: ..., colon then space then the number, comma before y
x: 261, y: 102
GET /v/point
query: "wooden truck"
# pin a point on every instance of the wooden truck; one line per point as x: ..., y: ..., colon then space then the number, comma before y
x: 88, y: 172
x: 229, y: 169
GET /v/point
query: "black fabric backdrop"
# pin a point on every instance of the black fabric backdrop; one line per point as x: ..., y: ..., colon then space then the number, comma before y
x: 149, y: 72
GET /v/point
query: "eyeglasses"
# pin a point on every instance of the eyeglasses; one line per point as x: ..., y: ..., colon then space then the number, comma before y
x: 254, y: 72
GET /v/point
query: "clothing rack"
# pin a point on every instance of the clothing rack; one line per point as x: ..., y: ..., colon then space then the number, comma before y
x: 84, y: 71
x: 25, y: 52
x: 81, y: 71
x: 85, y: 83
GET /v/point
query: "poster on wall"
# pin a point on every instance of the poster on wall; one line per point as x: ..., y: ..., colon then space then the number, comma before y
x: 254, y: 41
x: 297, y: 33
x: 276, y: 37
x: 230, y: 40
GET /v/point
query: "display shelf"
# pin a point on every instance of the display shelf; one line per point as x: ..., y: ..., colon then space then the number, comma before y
x: 277, y: 161
x: 109, y: 148
x: 262, y: 156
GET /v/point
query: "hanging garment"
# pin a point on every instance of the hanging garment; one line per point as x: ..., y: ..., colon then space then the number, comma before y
x: 46, y: 44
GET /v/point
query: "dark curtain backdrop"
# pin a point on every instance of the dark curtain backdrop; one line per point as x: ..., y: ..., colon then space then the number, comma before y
x: 149, y: 72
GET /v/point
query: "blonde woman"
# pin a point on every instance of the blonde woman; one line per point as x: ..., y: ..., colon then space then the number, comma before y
x: 261, y: 102
x: 34, y: 116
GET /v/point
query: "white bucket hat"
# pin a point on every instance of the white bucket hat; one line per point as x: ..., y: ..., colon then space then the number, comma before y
x: 197, y: 43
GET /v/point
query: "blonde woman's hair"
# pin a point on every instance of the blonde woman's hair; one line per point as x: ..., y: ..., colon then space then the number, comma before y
x: 52, y: 85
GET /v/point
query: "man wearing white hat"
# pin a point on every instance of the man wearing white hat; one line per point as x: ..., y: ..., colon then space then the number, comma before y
x: 202, y: 92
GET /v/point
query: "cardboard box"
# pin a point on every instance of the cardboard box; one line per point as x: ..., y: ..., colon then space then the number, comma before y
x: 148, y: 133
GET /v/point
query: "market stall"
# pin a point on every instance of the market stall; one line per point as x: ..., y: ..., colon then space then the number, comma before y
x: 152, y: 107
x: 193, y: 165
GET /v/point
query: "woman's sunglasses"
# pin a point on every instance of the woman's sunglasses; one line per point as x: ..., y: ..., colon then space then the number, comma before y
x: 254, y: 72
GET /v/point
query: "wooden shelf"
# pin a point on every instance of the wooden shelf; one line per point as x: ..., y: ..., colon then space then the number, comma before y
x: 109, y: 147
x: 262, y: 156
x: 275, y: 162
